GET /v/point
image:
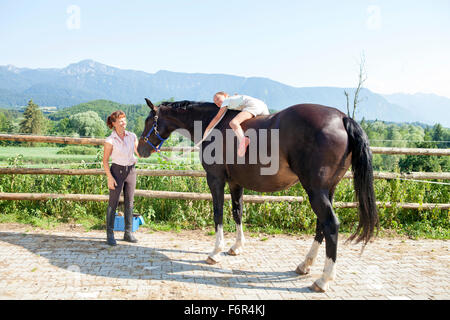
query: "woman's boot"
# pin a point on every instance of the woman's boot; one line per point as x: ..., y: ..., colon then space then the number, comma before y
x: 128, y: 236
x: 110, y: 216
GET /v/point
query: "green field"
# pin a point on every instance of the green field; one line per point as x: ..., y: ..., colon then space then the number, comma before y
x: 47, y: 156
x: 42, y: 155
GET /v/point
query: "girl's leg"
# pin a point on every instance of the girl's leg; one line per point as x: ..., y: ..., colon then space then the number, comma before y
x: 114, y: 196
x: 128, y: 195
x: 235, y: 124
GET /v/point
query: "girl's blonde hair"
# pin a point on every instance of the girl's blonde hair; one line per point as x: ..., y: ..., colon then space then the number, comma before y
x: 222, y: 93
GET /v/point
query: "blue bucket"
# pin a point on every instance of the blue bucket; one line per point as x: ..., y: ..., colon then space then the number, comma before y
x: 119, y: 223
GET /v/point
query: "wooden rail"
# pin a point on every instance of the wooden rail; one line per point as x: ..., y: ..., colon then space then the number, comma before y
x: 71, y: 140
x: 411, y: 151
x: 145, y: 194
x: 204, y: 196
x: 99, y: 142
x: 201, y: 173
x: 50, y: 139
x: 81, y: 172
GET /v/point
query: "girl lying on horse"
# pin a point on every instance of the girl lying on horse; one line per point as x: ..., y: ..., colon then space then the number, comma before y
x: 250, y: 107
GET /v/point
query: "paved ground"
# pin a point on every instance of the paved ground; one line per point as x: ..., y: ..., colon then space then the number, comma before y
x: 72, y: 264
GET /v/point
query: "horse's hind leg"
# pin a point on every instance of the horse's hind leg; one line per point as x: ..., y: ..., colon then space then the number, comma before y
x: 304, y: 267
x: 237, y: 204
x: 329, y: 224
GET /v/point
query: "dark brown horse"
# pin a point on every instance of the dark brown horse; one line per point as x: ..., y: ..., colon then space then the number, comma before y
x: 315, y: 145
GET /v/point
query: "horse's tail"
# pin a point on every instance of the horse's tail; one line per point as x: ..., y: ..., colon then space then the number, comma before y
x: 363, y: 180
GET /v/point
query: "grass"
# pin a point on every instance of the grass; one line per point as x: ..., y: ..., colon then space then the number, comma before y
x: 152, y: 226
x: 90, y: 223
x: 47, y: 223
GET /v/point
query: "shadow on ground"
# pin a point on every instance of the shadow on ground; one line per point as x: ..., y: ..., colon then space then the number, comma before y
x: 92, y: 256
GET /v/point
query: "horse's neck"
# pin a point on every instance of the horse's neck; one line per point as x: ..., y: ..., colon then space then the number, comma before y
x: 189, y: 119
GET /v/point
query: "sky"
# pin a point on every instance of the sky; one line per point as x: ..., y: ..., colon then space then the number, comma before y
x: 299, y: 43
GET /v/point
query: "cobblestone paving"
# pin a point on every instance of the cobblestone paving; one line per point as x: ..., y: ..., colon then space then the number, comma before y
x: 67, y: 264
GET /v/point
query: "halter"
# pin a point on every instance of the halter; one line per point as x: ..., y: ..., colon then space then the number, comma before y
x: 162, y: 140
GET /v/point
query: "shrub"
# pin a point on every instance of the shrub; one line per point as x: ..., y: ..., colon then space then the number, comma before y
x: 83, y: 150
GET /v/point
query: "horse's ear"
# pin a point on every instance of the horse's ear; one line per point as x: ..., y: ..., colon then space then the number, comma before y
x: 150, y: 104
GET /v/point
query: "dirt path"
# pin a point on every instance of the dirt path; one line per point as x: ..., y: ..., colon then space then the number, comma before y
x: 67, y: 263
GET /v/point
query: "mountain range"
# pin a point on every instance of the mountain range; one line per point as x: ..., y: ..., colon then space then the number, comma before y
x: 90, y: 80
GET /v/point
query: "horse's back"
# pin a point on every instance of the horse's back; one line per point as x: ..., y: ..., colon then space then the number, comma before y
x: 305, y: 115
x: 311, y: 115
x: 309, y: 135
x: 303, y: 127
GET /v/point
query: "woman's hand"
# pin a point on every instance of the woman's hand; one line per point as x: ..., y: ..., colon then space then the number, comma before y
x: 135, y: 148
x: 112, y: 183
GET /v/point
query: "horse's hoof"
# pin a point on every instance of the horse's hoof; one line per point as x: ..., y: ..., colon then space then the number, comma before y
x: 211, y: 261
x: 301, y: 272
x: 231, y: 252
x: 314, y: 287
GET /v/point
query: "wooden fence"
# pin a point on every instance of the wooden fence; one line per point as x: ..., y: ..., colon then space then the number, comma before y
x: 195, y: 173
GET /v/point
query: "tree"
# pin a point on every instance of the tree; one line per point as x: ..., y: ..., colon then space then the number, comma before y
x: 362, y: 77
x: 5, y: 124
x: 88, y: 124
x: 438, y: 133
x: 61, y: 127
x: 423, y: 163
x: 34, y: 121
x: 427, y: 163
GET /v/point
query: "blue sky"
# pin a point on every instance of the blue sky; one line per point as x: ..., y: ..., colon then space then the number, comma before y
x: 314, y: 43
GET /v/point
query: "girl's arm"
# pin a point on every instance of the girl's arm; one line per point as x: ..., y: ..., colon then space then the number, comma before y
x: 107, y: 150
x: 214, y: 120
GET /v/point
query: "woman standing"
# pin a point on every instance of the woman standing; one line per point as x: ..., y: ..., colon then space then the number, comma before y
x: 120, y: 146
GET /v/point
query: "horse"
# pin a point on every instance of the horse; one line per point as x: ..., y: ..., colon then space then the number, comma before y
x: 316, y: 146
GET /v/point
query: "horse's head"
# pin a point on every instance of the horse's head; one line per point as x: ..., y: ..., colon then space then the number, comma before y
x: 156, y: 131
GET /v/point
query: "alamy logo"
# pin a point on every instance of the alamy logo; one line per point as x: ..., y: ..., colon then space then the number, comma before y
x: 374, y: 17
x: 220, y: 148
x: 73, y: 22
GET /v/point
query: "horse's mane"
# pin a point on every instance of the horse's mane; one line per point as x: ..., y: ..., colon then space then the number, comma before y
x: 186, y: 104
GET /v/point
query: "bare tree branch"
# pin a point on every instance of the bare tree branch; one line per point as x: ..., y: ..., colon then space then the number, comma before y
x: 348, y: 102
x: 362, y: 77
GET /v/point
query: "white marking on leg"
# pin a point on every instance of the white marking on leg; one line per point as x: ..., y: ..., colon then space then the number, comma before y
x: 304, y: 267
x: 220, y: 244
x: 329, y: 273
x: 240, y: 240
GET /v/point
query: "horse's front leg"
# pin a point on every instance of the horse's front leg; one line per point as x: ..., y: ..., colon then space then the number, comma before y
x: 237, y: 204
x: 217, y: 187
